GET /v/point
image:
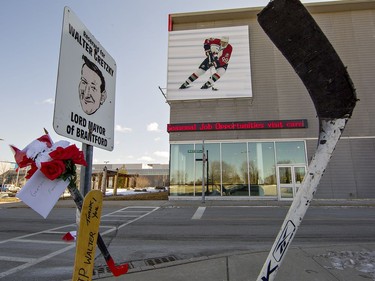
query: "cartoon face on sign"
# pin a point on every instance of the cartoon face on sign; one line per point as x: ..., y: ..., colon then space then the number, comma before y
x: 91, y: 87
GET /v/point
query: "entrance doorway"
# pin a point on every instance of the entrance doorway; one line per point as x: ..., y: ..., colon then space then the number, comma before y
x: 289, y: 179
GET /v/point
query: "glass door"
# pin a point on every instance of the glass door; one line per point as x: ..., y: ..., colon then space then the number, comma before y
x: 289, y: 180
x: 299, y: 173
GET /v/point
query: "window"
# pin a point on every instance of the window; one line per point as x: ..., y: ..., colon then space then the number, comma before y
x: 212, y: 173
x: 234, y: 169
x: 182, y: 170
x: 262, y: 169
x: 291, y: 152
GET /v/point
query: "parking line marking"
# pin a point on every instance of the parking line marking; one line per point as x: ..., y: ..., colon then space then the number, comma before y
x: 35, y: 261
x: 124, y: 216
x: 109, y: 220
x: 39, y: 241
x: 198, y: 213
x: 29, y: 262
x: 36, y: 233
x: 16, y: 259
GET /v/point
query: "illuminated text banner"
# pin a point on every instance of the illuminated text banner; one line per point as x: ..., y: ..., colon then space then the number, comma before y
x: 243, y: 125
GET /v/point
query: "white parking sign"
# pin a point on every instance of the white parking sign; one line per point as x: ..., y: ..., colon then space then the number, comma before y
x: 86, y: 83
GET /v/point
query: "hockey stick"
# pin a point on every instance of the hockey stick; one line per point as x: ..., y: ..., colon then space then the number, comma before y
x: 116, y: 270
x: 211, y: 73
x: 295, y: 33
x: 89, y: 224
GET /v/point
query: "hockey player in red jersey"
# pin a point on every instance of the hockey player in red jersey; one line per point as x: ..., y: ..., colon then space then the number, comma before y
x: 218, y: 53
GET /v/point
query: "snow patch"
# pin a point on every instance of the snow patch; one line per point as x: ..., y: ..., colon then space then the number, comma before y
x: 362, y: 261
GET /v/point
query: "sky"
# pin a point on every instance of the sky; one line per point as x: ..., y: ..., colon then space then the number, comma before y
x: 135, y: 35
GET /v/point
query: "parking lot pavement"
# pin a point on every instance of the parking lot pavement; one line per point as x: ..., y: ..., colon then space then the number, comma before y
x: 342, y: 262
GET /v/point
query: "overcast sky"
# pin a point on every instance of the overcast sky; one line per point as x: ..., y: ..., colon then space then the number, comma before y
x: 134, y: 33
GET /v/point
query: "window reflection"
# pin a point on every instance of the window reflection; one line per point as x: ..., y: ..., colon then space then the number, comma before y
x: 299, y: 173
x: 262, y: 169
x: 212, y: 173
x: 181, y: 170
x: 234, y: 169
x: 285, y: 175
x: 291, y: 152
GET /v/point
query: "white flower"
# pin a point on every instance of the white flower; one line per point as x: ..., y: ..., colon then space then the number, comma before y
x: 61, y: 143
x: 35, y: 148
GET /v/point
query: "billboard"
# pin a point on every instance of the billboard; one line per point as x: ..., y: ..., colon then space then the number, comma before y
x: 85, y: 92
x: 209, y: 64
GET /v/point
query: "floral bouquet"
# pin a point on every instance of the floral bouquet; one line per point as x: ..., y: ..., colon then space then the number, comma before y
x: 52, y: 170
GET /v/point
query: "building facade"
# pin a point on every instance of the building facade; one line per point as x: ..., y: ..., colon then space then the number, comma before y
x: 120, y: 175
x: 133, y: 175
x: 259, y: 129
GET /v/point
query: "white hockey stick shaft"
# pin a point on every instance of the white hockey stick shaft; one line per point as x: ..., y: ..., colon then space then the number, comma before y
x: 330, y: 132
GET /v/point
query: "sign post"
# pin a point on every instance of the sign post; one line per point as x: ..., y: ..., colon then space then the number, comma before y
x: 86, y: 82
x: 203, y: 184
x: 84, y: 111
x: 203, y: 159
x: 85, y: 92
x: 86, y: 172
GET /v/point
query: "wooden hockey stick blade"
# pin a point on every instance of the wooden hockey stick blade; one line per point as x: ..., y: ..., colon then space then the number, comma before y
x: 116, y: 270
x: 87, y: 236
x: 299, y: 38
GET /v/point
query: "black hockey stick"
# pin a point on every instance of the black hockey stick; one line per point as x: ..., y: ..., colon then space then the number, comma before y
x: 115, y: 269
x: 296, y: 34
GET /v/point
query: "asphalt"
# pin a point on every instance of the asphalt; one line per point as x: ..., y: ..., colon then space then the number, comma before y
x: 344, y: 262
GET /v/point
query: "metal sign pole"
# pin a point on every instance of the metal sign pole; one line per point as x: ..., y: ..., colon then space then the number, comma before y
x: 203, y: 160
x: 86, y: 172
x: 85, y: 177
x: 207, y: 174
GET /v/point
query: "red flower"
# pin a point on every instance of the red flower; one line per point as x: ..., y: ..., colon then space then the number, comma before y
x: 70, y: 152
x: 53, y: 169
x: 79, y: 159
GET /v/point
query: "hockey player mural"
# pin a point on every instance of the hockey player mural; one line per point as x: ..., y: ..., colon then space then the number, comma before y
x: 218, y: 52
x: 199, y: 58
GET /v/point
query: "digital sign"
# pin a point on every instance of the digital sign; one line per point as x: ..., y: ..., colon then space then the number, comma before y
x: 243, y: 125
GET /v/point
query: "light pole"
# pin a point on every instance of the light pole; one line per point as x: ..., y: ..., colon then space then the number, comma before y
x: 104, y: 178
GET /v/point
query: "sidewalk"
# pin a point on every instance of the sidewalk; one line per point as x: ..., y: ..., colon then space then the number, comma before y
x: 340, y: 262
